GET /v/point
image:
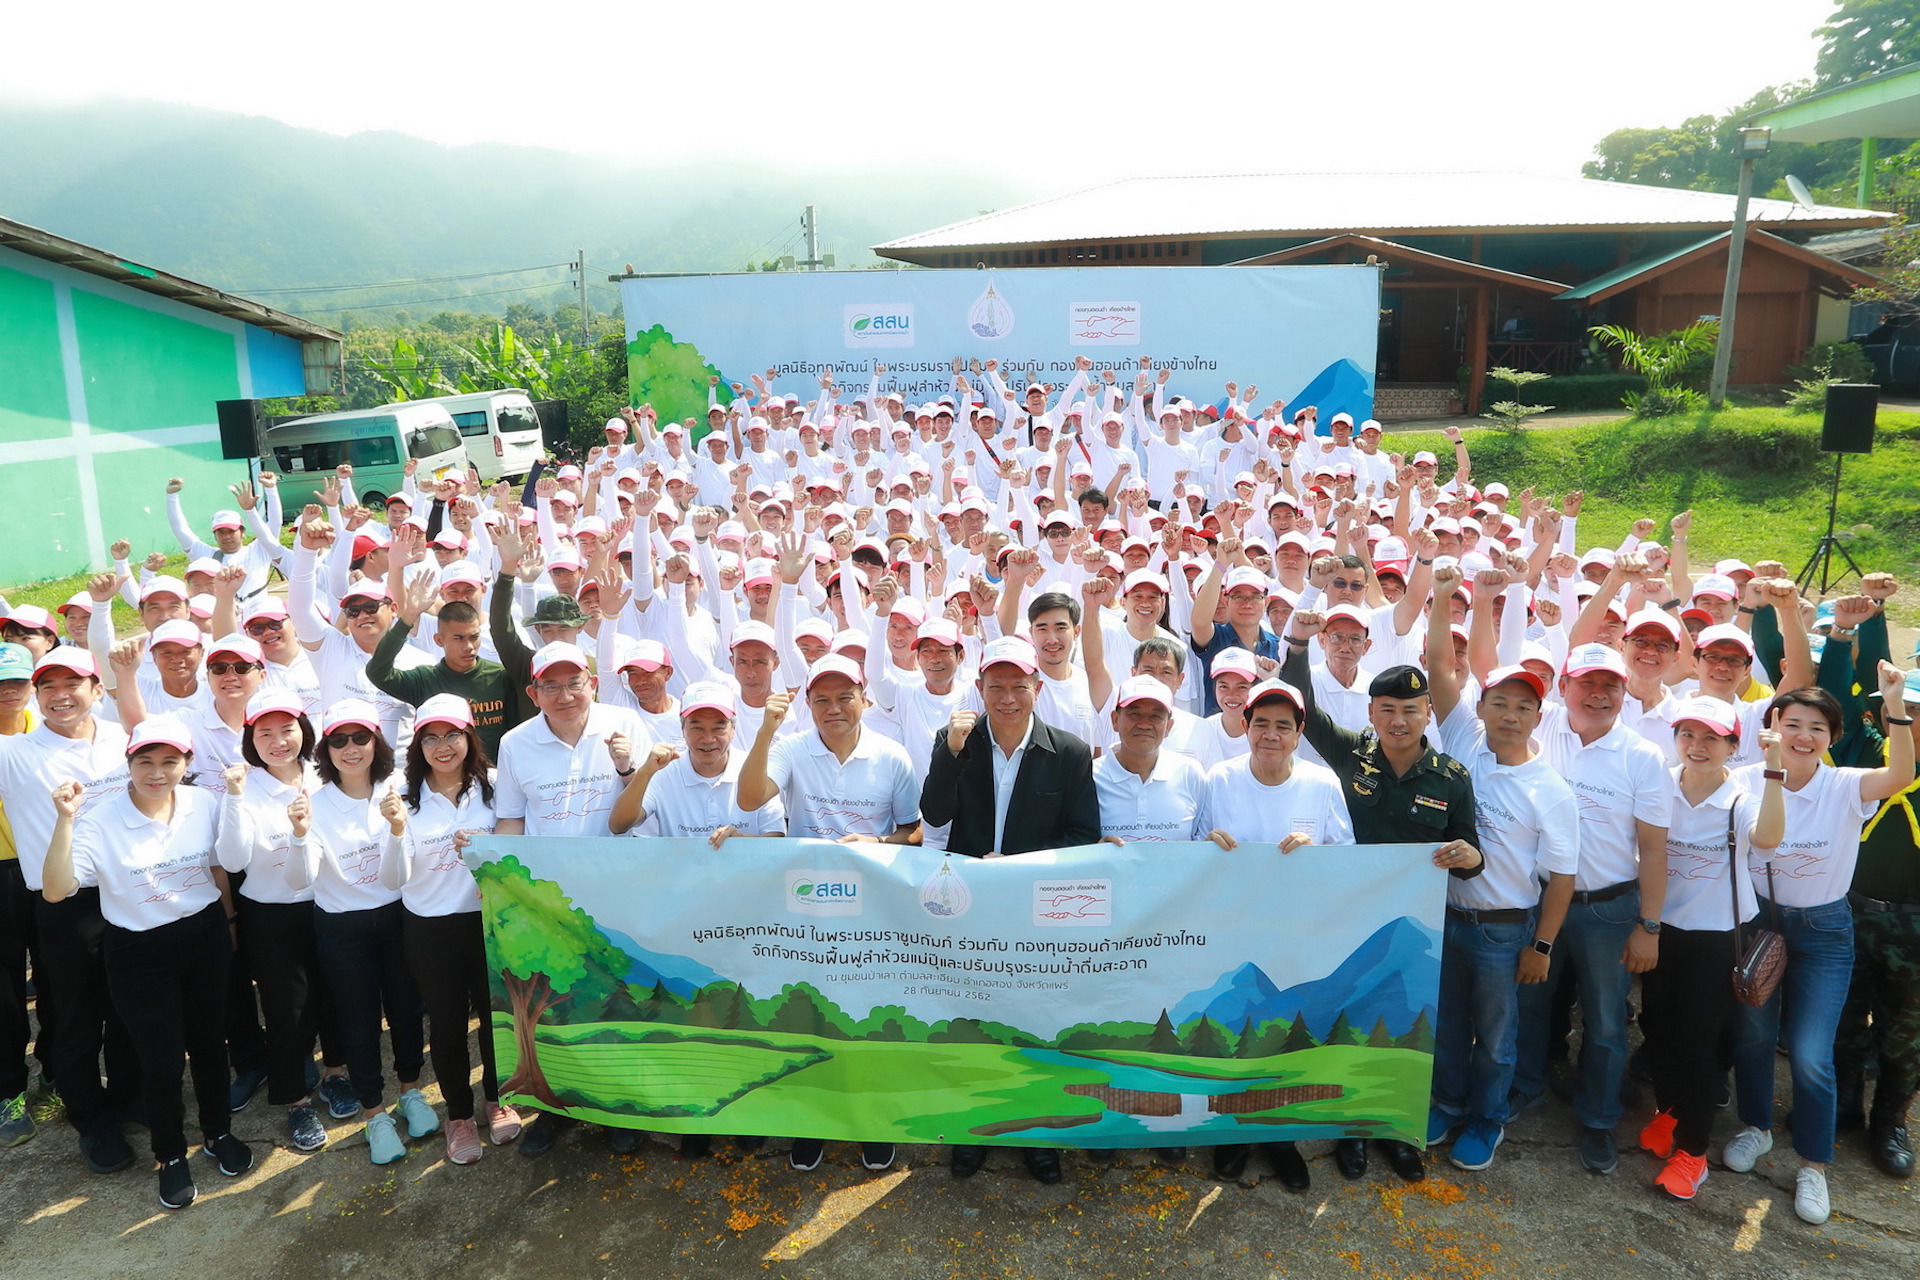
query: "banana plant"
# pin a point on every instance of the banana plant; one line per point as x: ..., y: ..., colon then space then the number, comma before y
x: 407, y: 373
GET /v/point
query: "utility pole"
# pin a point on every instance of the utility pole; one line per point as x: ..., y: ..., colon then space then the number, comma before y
x: 580, y: 279
x: 1751, y: 146
x: 811, y: 226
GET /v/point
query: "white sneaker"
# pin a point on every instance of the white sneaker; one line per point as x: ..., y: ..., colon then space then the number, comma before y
x: 1745, y: 1147
x: 1810, y: 1196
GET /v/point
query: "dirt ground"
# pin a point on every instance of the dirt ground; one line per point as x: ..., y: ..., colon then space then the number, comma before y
x: 583, y: 1212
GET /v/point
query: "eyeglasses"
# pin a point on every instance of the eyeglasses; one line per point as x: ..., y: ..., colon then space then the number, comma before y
x: 231, y: 668
x: 1658, y: 646
x: 1059, y: 531
x: 265, y: 627
x: 1333, y: 641
x: 434, y: 741
x: 1724, y: 659
x: 361, y: 609
x: 357, y: 738
x: 549, y: 689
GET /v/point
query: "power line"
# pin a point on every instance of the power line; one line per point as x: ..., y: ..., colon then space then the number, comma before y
x: 426, y: 302
x: 383, y: 284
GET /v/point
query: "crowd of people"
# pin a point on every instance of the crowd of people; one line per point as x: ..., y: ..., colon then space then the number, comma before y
x: 996, y: 622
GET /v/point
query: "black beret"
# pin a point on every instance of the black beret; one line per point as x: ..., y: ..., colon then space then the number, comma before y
x: 1399, y: 682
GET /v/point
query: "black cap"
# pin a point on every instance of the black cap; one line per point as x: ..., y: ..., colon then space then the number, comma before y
x: 1399, y: 682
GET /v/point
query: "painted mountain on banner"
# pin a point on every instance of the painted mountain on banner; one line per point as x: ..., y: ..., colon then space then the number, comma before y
x: 1370, y: 985
x: 1341, y: 387
x: 680, y: 975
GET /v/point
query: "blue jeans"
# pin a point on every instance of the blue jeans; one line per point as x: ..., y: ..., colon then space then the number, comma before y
x: 1594, y: 938
x: 1819, y: 966
x: 1476, y: 1034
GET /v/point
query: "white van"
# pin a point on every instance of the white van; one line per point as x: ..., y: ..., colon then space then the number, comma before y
x: 500, y: 429
x: 377, y: 442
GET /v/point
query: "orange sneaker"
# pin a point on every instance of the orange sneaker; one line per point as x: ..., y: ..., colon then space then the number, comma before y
x: 1657, y: 1137
x: 1682, y: 1176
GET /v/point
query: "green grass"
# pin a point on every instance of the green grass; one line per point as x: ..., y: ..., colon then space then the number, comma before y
x: 1754, y: 478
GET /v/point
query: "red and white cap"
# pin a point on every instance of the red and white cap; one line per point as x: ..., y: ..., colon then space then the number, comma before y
x: 1144, y: 578
x: 366, y: 589
x: 1716, y: 584
x: 836, y: 664
x: 66, y: 657
x: 350, y: 711
x: 812, y: 628
x: 708, y: 695
x: 648, y: 655
x: 462, y: 571
x: 558, y: 654
x: 1727, y: 568
x: 1343, y: 613
x: 205, y: 564
x: 1724, y: 633
x: 1269, y: 690
x: 176, y: 632
x: 1012, y: 650
x: 162, y: 584
x: 1660, y: 620
x: 265, y: 606
x: 228, y: 520
x: 1245, y: 577
x: 1594, y: 657
x: 78, y: 600
x: 1525, y: 675
x: 751, y: 630
x: 1144, y: 689
x: 274, y: 699
x: 450, y: 538
x: 1717, y: 715
x: 31, y: 616
x: 245, y: 648
x: 444, y: 708
x: 941, y: 631
x: 848, y: 641
x: 1235, y: 662
x: 160, y: 731
x: 760, y: 573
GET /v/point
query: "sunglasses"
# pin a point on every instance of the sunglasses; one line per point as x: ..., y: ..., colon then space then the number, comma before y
x: 355, y: 738
x: 231, y: 668
x: 265, y: 627
x: 361, y: 609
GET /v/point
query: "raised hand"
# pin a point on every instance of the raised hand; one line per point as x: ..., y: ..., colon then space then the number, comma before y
x: 1878, y: 587
x: 959, y: 727
x: 300, y: 815
x: 620, y: 747
x: 102, y: 586
x: 778, y: 704
x: 235, y: 776
x: 394, y: 810
x: 66, y: 799
x: 1307, y: 623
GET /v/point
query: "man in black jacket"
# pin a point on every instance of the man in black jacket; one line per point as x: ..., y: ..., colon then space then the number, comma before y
x: 1010, y: 783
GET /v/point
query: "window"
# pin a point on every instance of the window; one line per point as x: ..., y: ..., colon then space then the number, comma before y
x: 516, y: 418
x: 471, y: 424
x: 427, y: 441
x: 325, y: 455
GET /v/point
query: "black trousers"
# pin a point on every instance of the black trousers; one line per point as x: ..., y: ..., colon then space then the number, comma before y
x: 85, y: 1024
x: 170, y: 986
x: 19, y: 939
x: 448, y: 957
x: 277, y: 950
x: 1685, y: 1003
x: 246, y: 1038
x: 363, y: 958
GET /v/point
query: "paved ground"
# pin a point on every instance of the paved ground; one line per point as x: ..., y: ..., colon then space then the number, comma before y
x: 582, y: 1212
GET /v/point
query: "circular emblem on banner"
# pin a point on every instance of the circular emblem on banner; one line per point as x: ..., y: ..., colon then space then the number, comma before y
x: 990, y: 317
x: 945, y: 894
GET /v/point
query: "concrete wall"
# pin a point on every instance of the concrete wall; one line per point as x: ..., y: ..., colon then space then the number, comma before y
x: 105, y: 392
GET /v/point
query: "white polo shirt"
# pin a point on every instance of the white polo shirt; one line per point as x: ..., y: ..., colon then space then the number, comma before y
x: 32, y: 764
x: 1308, y: 803
x: 345, y: 842
x: 680, y: 802
x: 1815, y: 861
x: 255, y: 836
x: 1698, y: 896
x: 150, y: 871
x: 298, y: 676
x: 1207, y: 742
x: 341, y: 665
x: 438, y: 882
x: 1068, y: 704
x: 874, y: 792
x: 1619, y: 780
x: 1529, y: 824
x: 1171, y: 804
x: 216, y: 747
x: 562, y: 790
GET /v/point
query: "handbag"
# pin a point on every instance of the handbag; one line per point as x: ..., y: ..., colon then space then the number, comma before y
x: 1761, y: 960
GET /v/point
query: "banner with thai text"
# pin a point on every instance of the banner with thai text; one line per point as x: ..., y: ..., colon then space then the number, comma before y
x: 1102, y: 996
x: 1303, y: 334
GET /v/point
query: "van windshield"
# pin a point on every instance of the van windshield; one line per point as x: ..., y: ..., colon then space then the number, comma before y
x: 427, y: 441
x: 516, y: 418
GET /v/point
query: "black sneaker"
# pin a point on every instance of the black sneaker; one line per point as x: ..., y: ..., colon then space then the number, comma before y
x: 106, y: 1151
x: 622, y: 1142
x: 876, y: 1155
x: 1597, y: 1151
x: 695, y: 1146
x: 232, y: 1155
x: 806, y: 1154
x: 176, y: 1184
x: 245, y: 1085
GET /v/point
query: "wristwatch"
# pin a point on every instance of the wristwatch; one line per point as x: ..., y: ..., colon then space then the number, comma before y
x: 1542, y: 946
x: 1651, y: 926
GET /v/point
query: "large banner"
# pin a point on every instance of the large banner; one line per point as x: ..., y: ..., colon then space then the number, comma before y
x: 1145, y: 995
x: 1303, y: 334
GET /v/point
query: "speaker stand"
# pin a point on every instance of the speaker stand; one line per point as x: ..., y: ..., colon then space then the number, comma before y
x: 1822, y: 557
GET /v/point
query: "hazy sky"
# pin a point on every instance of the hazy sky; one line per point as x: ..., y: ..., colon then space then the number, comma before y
x: 1053, y: 96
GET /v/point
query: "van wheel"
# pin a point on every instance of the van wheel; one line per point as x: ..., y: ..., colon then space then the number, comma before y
x: 373, y: 500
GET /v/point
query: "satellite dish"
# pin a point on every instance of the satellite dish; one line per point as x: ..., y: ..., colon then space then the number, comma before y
x: 1798, y: 190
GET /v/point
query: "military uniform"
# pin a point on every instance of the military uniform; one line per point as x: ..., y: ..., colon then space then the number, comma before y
x: 1882, y: 1013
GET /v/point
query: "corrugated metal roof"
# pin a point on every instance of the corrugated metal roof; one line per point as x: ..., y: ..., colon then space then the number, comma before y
x: 1287, y: 204
x: 46, y: 245
x: 1615, y: 281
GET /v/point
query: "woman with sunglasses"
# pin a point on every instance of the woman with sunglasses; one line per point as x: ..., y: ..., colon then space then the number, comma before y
x: 150, y: 853
x: 449, y: 791
x: 1805, y: 899
x: 342, y: 833
x: 275, y: 920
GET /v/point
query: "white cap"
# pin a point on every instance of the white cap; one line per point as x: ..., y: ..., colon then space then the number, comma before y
x: 559, y: 653
x: 1010, y: 649
x: 835, y: 664
x: 444, y: 708
x: 1144, y: 689
x: 165, y: 731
